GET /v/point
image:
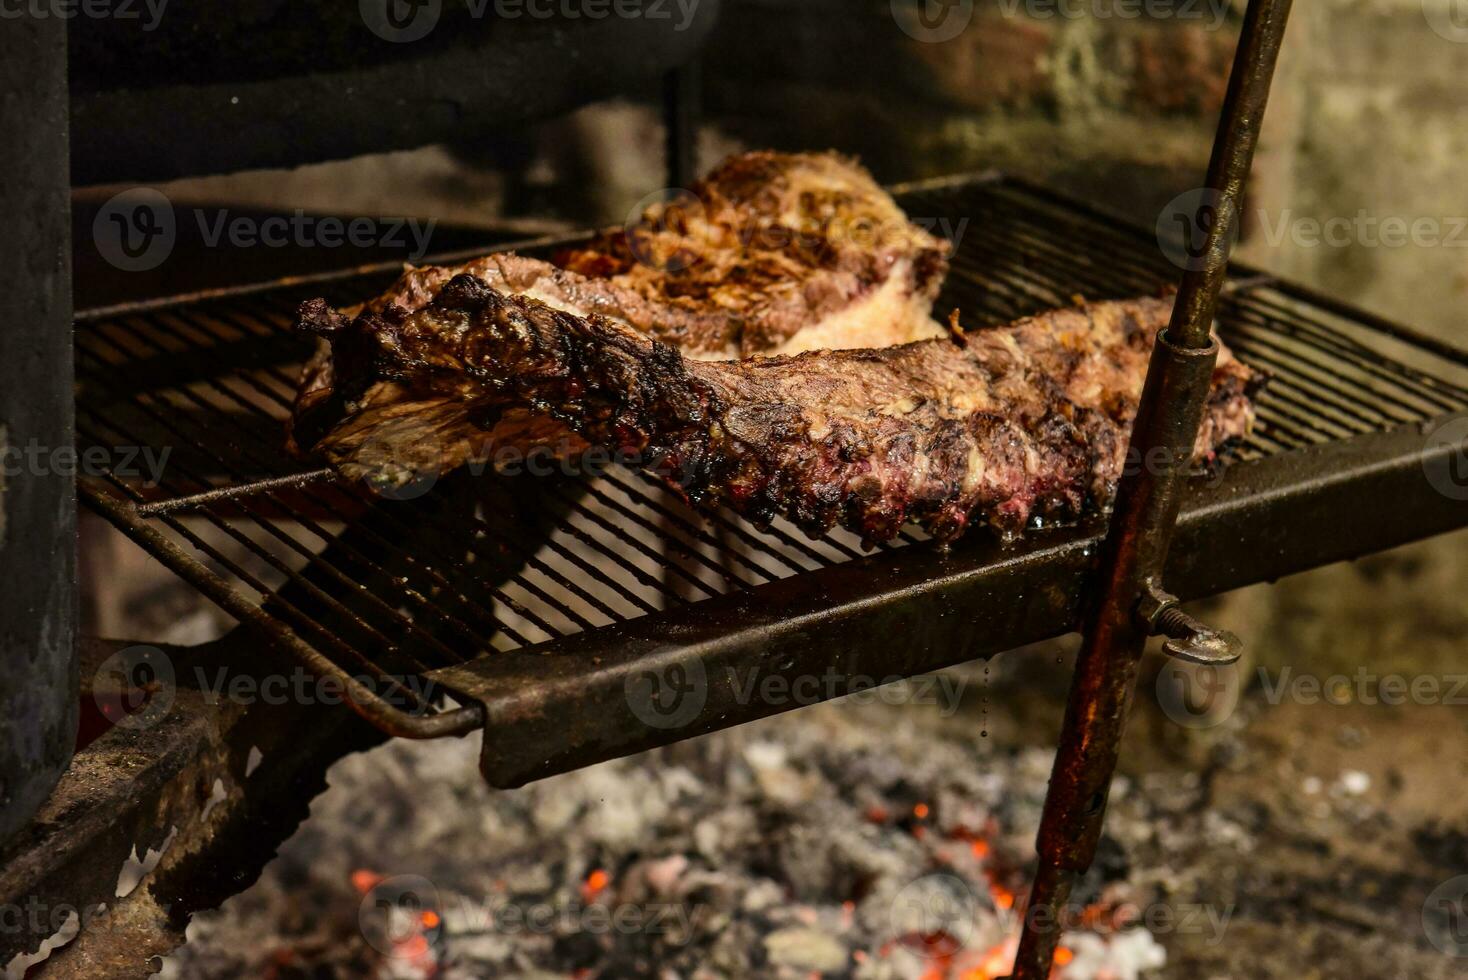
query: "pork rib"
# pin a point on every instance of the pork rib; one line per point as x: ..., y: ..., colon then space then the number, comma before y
x: 1024, y: 421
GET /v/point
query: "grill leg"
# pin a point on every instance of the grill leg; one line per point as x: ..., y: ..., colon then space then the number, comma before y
x: 681, y: 98
x: 1146, y: 514
x: 38, y: 699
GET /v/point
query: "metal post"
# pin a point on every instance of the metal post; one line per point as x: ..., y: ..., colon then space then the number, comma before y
x: 681, y: 97
x: 1146, y: 513
x: 38, y: 701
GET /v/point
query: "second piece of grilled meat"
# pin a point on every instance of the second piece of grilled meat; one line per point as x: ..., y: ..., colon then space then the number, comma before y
x: 778, y: 253
x: 1022, y: 421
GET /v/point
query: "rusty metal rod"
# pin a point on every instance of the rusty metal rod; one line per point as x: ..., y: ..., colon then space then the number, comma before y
x: 360, y: 698
x: 1146, y: 514
x: 236, y: 491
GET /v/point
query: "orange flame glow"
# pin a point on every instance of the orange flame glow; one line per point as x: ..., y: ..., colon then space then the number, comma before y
x: 595, y: 884
x: 364, y: 881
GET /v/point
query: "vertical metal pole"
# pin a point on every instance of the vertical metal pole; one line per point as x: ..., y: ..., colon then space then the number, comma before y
x: 681, y: 99
x: 38, y: 699
x: 1145, y: 516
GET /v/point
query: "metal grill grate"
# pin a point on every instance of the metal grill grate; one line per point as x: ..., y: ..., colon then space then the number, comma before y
x: 385, y: 589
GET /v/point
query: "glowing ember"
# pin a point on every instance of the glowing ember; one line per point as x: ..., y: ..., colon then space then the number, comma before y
x: 920, y: 811
x: 595, y: 884
x: 430, y: 919
x: 997, y: 962
x: 364, y: 881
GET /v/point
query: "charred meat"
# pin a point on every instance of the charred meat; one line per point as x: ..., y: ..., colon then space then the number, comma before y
x: 771, y: 253
x: 1013, y: 423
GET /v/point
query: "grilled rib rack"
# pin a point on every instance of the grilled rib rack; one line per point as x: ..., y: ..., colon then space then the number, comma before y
x: 582, y: 617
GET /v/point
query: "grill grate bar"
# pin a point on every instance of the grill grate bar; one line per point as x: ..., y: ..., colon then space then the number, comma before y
x: 439, y: 580
x: 313, y: 527
x: 485, y: 563
x: 277, y: 604
x: 663, y: 561
x: 649, y: 497
x: 272, y: 529
x: 1328, y: 356
x: 1156, y: 272
x: 680, y: 548
x: 599, y: 548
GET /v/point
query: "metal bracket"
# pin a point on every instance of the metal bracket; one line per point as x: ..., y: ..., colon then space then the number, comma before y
x: 1188, y: 639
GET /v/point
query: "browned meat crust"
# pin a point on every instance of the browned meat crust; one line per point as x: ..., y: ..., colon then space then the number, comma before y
x: 774, y: 244
x: 782, y: 252
x: 511, y: 273
x: 1020, y: 422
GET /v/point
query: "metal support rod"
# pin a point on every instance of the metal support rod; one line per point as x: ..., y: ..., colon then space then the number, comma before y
x: 358, y: 696
x: 1146, y: 514
x: 236, y: 492
x: 681, y: 98
x: 38, y: 603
